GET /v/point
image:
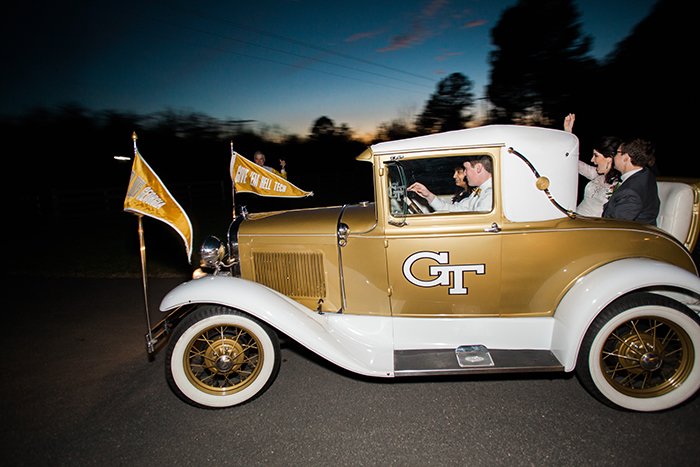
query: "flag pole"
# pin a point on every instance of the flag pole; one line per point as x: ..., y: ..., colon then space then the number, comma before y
x: 150, y: 343
x: 233, y: 188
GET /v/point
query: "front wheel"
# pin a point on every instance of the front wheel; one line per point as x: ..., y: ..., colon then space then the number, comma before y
x: 219, y: 357
x: 641, y: 353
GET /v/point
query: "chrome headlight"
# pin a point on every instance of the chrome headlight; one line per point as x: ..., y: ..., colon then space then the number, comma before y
x: 211, y: 252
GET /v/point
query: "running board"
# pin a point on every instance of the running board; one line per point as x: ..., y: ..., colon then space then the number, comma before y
x: 473, y: 359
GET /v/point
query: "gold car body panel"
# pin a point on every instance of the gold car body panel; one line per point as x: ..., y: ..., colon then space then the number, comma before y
x: 364, y: 264
x: 297, y: 254
x: 473, y: 289
x: 543, y: 260
x: 282, y: 249
x: 313, y: 221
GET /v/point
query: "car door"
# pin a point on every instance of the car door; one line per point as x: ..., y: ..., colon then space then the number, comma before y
x: 440, y: 263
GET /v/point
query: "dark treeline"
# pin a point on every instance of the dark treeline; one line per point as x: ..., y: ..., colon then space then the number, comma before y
x: 645, y: 89
x: 541, y: 69
x: 73, y: 148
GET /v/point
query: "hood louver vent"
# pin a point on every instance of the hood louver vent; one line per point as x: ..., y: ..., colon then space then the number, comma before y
x: 298, y: 275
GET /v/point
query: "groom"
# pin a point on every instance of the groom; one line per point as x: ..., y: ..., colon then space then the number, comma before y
x: 637, y: 199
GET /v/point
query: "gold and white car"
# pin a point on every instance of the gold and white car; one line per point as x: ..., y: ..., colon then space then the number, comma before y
x: 391, y: 288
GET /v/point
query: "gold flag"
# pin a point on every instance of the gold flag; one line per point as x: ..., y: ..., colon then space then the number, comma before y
x: 148, y: 196
x: 248, y: 176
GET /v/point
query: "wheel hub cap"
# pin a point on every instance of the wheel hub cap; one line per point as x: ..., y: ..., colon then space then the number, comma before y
x: 224, y: 364
x: 640, y: 352
x: 650, y: 361
x: 225, y: 356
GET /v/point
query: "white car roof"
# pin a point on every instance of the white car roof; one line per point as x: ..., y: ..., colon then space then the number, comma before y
x: 553, y: 153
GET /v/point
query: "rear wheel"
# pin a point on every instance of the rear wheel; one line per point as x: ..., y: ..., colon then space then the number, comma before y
x: 641, y: 353
x: 220, y: 357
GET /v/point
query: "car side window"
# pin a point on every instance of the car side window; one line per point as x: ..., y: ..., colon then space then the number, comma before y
x: 446, y: 181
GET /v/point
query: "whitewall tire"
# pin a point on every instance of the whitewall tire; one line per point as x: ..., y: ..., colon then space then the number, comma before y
x: 642, y: 353
x: 220, y: 357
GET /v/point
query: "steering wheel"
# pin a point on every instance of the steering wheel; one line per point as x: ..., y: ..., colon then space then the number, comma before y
x: 413, y: 207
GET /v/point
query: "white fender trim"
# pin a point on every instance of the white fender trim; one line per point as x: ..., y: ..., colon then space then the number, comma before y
x: 362, y: 344
x: 593, y: 292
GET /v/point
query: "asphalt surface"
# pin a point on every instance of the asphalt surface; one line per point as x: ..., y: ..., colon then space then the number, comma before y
x: 77, y: 388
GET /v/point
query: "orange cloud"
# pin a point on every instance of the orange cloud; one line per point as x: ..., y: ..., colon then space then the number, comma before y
x: 474, y: 24
x: 362, y: 35
x: 448, y: 54
x: 417, y: 36
x: 431, y: 21
x: 434, y: 7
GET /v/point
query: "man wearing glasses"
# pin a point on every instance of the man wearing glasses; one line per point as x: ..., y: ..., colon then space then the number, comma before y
x: 637, y: 198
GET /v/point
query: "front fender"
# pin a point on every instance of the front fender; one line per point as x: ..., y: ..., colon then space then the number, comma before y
x: 596, y: 290
x: 362, y: 344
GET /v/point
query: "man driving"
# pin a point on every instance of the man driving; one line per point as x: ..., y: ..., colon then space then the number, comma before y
x: 478, y: 172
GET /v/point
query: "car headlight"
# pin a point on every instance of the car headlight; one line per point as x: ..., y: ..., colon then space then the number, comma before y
x: 211, y: 252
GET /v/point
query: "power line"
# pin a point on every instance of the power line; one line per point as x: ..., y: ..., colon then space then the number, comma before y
x: 292, y: 41
x: 280, y: 51
x: 278, y: 62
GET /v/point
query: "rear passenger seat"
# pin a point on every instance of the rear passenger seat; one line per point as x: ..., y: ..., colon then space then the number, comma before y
x: 676, y: 210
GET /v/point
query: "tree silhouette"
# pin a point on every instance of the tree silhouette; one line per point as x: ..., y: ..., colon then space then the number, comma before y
x: 393, y: 130
x: 324, y: 128
x: 648, y: 84
x: 445, y: 110
x: 540, y: 62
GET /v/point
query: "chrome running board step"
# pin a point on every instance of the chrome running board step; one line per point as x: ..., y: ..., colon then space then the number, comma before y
x: 473, y: 359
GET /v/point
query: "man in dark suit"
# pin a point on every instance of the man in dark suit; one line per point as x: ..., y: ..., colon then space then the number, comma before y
x: 637, y: 199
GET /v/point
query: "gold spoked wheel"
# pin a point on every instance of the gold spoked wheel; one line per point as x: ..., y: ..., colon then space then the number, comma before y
x: 220, y: 357
x: 647, y: 357
x: 640, y: 353
x: 223, y: 359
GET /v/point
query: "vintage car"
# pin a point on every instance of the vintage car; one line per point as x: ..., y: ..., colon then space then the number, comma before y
x: 392, y: 288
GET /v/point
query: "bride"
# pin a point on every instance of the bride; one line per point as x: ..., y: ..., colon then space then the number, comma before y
x: 604, y: 178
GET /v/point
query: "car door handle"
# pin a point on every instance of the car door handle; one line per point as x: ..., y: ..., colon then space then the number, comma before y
x: 494, y: 228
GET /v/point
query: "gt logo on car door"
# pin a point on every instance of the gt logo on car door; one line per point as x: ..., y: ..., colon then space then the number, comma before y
x: 446, y: 275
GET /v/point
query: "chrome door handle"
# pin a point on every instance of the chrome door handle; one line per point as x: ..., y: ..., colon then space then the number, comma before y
x: 494, y: 228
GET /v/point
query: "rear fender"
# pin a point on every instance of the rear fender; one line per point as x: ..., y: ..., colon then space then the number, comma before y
x: 596, y: 290
x: 362, y: 344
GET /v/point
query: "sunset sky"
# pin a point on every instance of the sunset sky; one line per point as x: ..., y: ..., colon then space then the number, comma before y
x: 283, y: 62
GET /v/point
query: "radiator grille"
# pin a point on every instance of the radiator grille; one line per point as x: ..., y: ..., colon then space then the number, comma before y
x: 295, y: 274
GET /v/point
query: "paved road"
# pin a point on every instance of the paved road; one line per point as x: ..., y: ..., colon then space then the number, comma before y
x: 77, y: 389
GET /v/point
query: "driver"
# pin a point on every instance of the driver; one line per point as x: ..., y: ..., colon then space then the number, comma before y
x: 478, y: 172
